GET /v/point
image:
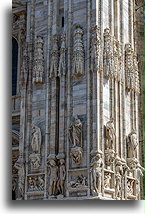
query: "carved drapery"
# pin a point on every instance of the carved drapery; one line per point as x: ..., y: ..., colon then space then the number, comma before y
x: 78, y: 53
x: 38, y: 69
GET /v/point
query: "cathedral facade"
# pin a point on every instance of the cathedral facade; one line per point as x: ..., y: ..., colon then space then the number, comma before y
x: 77, y: 100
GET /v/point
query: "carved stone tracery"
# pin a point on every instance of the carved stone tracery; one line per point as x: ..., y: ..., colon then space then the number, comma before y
x: 38, y: 69
x: 78, y: 69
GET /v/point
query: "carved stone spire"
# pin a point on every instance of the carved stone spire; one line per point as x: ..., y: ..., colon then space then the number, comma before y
x: 95, y: 48
x: 62, y: 60
x: 38, y: 70
x: 78, y: 52
x: 108, y: 53
x: 129, y: 74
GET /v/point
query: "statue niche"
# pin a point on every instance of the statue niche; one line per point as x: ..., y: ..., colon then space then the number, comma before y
x: 96, y: 173
x: 110, y: 153
x: 36, y: 139
x: 75, y: 136
x: 36, y: 148
x: 132, y: 143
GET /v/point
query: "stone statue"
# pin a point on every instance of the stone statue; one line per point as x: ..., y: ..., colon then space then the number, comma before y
x: 132, y: 144
x: 118, y: 176
x: 110, y: 134
x: 53, y: 177
x: 107, y: 178
x: 96, y: 173
x: 36, y: 140
x: 19, y: 165
x: 61, y: 180
x: 110, y: 156
x: 75, y: 131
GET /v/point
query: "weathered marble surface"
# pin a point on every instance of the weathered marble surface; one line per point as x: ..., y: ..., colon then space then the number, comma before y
x: 77, y: 115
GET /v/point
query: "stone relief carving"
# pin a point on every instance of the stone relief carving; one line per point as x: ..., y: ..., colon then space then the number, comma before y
x: 38, y: 69
x: 54, y: 58
x: 75, y: 137
x: 36, y: 139
x: 36, y: 183
x: 96, y: 173
x: 132, y: 143
x: 130, y: 187
x: 107, y: 179
x: 19, y: 165
x: 95, y: 48
x: 35, y: 161
x: 62, y: 60
x: 78, y: 53
x: 108, y: 53
x: 78, y: 182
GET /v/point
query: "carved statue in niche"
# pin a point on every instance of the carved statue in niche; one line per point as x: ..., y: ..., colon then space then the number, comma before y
x: 19, y: 165
x: 38, y: 70
x: 95, y: 48
x: 62, y: 60
x: 54, y: 58
x: 53, y: 173
x: 78, y: 52
x: 132, y: 144
x: 118, y: 178
x: 110, y: 156
x: 96, y: 173
x: 36, y: 139
x: 107, y: 179
x: 110, y: 134
x: 75, y: 136
x: 75, y: 132
x: 62, y: 174
x: 129, y: 67
x: 108, y: 53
